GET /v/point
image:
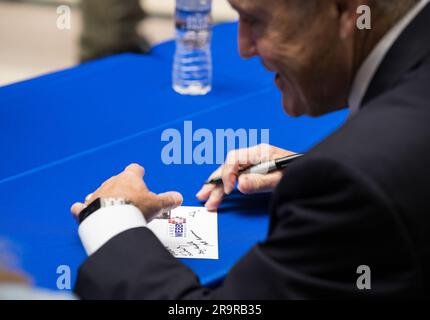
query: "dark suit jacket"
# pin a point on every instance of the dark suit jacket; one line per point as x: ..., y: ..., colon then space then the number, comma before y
x: 362, y: 197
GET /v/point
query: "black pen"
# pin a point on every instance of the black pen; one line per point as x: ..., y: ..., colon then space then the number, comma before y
x: 265, y: 167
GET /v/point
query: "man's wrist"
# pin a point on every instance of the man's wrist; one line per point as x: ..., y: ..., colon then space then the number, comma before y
x: 107, y: 222
x: 100, y: 203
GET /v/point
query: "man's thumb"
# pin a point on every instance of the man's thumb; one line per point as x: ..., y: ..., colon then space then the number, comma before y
x: 170, y: 200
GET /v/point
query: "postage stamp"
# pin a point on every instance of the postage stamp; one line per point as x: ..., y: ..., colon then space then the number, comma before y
x: 178, y: 227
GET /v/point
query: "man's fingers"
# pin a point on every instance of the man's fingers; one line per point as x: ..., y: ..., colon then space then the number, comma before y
x: 240, y: 159
x: 169, y: 200
x: 256, y: 183
x: 205, y: 192
x: 215, y: 198
x: 230, y: 170
x: 136, y: 169
x: 88, y: 198
x: 77, y: 208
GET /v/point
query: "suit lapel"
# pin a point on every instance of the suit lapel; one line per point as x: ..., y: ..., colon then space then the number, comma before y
x: 412, y: 47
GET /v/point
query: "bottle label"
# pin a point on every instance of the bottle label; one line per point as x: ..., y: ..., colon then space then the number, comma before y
x: 193, y: 21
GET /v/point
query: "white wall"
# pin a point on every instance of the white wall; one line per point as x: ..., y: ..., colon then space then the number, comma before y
x: 221, y: 9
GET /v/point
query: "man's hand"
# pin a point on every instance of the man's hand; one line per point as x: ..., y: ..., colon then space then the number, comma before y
x: 247, y: 183
x: 129, y: 184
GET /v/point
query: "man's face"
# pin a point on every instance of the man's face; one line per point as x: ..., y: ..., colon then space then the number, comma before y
x: 302, y: 45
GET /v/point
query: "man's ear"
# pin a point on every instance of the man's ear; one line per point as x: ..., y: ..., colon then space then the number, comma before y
x: 348, y: 16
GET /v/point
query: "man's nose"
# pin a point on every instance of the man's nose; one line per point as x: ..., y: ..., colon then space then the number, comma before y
x: 247, y: 46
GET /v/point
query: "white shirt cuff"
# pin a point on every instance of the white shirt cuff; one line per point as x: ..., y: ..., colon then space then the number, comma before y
x: 106, y: 223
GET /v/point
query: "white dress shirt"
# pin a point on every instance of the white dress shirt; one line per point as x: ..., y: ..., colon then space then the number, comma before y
x: 106, y: 223
x: 369, y: 67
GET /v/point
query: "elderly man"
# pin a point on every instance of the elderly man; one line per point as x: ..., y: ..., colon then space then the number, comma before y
x: 359, y: 198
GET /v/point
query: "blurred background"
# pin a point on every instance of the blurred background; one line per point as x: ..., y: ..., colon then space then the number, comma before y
x: 32, y: 45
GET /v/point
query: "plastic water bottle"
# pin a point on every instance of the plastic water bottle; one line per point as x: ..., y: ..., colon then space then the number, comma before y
x: 192, y: 70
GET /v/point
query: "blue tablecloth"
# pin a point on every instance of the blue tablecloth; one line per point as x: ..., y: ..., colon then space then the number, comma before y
x: 63, y: 134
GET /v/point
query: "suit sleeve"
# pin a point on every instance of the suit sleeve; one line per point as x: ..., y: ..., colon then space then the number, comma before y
x: 326, y: 221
